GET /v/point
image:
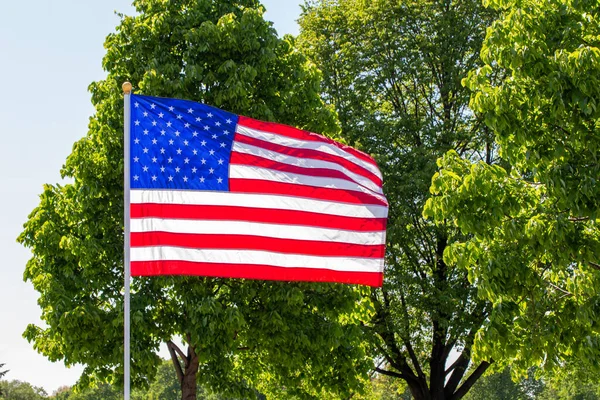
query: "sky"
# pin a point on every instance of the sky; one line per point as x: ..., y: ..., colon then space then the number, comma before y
x: 50, y: 51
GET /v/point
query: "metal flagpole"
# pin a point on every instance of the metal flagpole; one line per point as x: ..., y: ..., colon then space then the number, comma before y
x: 126, y: 259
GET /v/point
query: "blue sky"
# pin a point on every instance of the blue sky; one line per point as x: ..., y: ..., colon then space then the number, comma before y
x: 50, y: 51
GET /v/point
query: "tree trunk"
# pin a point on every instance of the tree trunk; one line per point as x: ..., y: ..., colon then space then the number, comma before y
x: 188, y: 383
x: 186, y: 368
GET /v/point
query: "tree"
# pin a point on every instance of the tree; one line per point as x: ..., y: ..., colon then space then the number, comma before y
x: 303, y: 337
x: 393, y: 70
x: 17, y: 390
x: 2, y: 373
x: 531, y: 240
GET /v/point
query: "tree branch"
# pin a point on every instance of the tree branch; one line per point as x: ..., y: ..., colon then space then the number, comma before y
x: 466, y: 386
x: 390, y: 373
x: 178, y: 370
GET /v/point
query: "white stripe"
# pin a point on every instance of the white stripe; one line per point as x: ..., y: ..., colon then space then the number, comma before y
x: 221, y: 227
x: 307, y: 144
x: 305, y: 163
x: 256, y: 257
x: 262, y: 201
x: 249, y: 172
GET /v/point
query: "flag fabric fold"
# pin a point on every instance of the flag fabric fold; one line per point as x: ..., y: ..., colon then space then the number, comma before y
x: 217, y: 194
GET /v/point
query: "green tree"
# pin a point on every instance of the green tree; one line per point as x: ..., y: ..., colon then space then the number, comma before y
x: 240, y: 335
x: 18, y: 390
x: 2, y: 373
x: 393, y: 70
x: 574, y: 382
x: 532, y: 240
x: 500, y: 386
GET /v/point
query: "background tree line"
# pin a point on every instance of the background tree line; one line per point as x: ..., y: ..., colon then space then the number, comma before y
x: 493, y: 263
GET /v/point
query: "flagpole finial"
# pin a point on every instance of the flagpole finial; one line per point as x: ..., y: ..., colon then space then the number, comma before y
x: 127, y: 88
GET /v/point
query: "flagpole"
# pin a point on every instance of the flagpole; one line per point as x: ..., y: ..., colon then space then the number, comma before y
x: 126, y: 256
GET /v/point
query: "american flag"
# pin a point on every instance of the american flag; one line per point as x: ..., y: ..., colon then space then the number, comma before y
x: 217, y: 194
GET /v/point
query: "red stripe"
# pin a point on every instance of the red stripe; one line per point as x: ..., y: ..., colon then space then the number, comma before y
x: 270, y: 187
x: 295, y: 133
x: 310, y: 154
x: 249, y: 271
x: 252, y: 160
x: 234, y: 213
x: 278, y: 245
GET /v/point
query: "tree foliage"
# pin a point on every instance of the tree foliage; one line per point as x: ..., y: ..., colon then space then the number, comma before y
x: 393, y: 71
x: 532, y: 241
x: 303, y: 336
x: 18, y: 390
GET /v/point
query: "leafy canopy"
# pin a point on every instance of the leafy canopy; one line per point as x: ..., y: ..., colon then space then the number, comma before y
x: 393, y: 72
x: 302, y: 335
x: 532, y: 240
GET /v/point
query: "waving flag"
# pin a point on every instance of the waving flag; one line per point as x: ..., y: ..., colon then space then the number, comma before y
x: 217, y: 194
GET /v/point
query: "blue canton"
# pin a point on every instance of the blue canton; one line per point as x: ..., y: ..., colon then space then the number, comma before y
x: 178, y: 144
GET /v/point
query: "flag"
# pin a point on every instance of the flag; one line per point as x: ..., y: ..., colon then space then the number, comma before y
x: 217, y: 194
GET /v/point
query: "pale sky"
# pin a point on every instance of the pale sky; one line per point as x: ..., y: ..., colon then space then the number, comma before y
x: 50, y: 51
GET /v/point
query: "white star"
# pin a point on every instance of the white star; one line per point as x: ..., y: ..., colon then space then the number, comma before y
x: 145, y: 168
x: 170, y: 178
x: 137, y: 104
x: 179, y: 117
x: 162, y: 169
x: 211, y: 152
x: 177, y: 169
x: 154, y: 141
x: 198, y: 119
x: 136, y: 122
x: 171, y: 141
x: 194, y: 170
x: 178, y: 151
x: 154, y: 159
x: 190, y: 110
x: 220, y: 180
x: 145, y: 113
x: 203, y: 161
x: 186, y: 161
x: 209, y: 115
x: 187, y: 125
x: 185, y: 178
x: 154, y: 177
x: 214, y: 136
x: 203, y: 143
x: 162, y: 150
x: 217, y: 123
x: 202, y: 179
x: 153, y: 123
x: 171, y: 108
x: 225, y: 132
x: 170, y: 160
x: 169, y: 124
x: 177, y: 133
x: 228, y: 121
x: 185, y: 142
x: 153, y: 106
x: 145, y: 131
x: 220, y: 161
x: 135, y: 159
x: 136, y: 141
x: 135, y: 177
x: 145, y: 150
x: 206, y: 128
x: 162, y: 133
x: 211, y: 170
x: 160, y: 115
x: 195, y: 152
x: 194, y: 134
x: 223, y: 145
